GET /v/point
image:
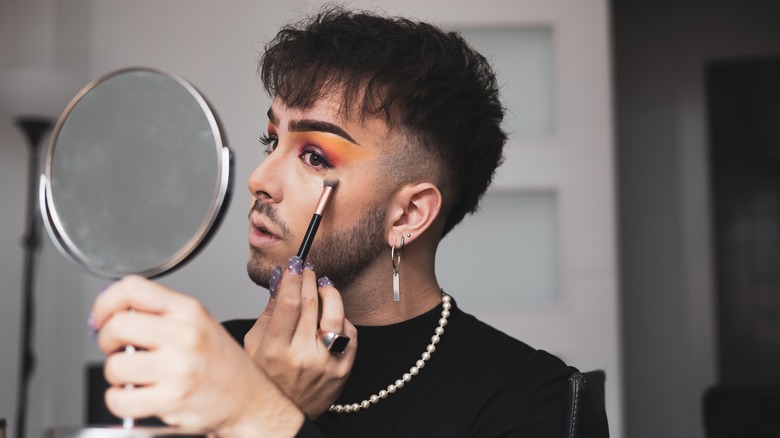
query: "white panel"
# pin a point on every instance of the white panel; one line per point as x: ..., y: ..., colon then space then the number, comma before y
x: 506, y: 254
x: 523, y: 60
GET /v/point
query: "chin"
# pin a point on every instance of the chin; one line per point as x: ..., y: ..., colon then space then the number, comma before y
x: 258, y: 272
x: 259, y: 277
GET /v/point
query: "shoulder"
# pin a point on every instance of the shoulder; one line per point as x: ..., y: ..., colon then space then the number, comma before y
x: 511, y: 362
x: 520, y: 389
x: 489, y: 340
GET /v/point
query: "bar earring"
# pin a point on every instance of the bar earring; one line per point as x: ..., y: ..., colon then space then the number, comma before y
x: 395, y: 257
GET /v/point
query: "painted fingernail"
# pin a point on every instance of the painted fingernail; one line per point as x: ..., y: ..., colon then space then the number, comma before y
x: 274, y: 281
x: 308, y: 265
x: 324, y: 281
x: 91, y: 329
x: 295, y: 265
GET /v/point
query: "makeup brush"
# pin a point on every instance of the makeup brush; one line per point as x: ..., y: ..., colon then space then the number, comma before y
x: 328, y: 186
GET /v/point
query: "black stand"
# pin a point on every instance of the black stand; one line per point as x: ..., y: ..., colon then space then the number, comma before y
x: 34, y: 128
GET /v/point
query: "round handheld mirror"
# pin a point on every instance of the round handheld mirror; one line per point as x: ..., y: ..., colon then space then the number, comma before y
x: 136, y: 179
x: 137, y: 176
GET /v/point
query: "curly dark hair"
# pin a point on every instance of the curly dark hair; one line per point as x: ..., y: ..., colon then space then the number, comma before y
x: 431, y: 85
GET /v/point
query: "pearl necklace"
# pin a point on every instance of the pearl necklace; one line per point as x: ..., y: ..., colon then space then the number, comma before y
x: 413, y: 371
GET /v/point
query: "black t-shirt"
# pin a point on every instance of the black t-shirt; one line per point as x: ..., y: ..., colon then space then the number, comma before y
x: 479, y: 382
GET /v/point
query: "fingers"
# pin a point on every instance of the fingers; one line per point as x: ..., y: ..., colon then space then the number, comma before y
x: 139, y: 368
x: 256, y: 337
x: 134, y: 403
x: 300, y: 307
x: 345, y: 364
x: 294, y: 307
x: 332, y: 319
x: 142, y: 330
x: 309, y: 303
x: 302, y: 367
x: 187, y: 371
x: 351, y: 331
x: 138, y: 293
x: 144, y: 401
x: 287, y: 308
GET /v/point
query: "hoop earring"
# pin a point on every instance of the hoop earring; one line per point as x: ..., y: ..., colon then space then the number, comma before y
x: 396, y: 259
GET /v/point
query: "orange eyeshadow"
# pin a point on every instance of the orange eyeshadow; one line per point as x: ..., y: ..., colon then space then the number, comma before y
x: 336, y: 149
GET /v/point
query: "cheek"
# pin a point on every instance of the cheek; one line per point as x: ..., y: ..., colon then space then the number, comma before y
x: 349, y: 206
x: 301, y: 187
x: 303, y: 195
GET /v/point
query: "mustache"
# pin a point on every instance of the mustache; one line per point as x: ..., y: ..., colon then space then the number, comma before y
x: 270, y: 213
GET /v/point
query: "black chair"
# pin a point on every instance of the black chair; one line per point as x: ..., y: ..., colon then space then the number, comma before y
x: 586, y: 415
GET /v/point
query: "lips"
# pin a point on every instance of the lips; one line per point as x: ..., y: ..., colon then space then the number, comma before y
x: 261, y: 234
x: 263, y: 230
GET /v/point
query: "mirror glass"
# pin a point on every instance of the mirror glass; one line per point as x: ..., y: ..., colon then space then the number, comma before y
x: 137, y: 174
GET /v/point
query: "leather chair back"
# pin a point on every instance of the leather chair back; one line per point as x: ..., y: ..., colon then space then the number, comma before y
x: 586, y: 415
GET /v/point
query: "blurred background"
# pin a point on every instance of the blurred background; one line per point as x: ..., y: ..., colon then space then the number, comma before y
x: 636, y: 220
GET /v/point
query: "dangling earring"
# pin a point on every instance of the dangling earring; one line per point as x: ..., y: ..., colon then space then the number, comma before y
x: 395, y: 257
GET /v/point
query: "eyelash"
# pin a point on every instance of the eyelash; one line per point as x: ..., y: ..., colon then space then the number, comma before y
x: 271, y: 142
x: 266, y: 141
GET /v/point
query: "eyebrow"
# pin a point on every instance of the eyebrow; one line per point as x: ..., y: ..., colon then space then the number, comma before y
x: 306, y: 125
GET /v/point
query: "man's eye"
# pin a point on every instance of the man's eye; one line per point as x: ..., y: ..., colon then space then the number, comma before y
x: 270, y: 142
x: 314, y: 160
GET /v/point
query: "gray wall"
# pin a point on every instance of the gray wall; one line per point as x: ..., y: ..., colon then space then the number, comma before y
x: 59, y: 47
x: 44, y: 54
x: 669, y: 333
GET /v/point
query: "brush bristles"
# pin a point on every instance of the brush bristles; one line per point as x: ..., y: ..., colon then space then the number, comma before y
x: 330, y: 183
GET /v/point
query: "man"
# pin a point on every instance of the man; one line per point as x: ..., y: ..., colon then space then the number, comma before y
x: 405, y: 120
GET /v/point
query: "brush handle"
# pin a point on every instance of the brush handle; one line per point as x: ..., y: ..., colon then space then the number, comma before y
x: 309, y: 238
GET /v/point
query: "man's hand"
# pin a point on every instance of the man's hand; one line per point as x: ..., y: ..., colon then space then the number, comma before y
x: 187, y: 370
x: 286, y: 344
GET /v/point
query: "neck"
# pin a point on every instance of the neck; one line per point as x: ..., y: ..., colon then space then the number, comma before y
x: 368, y: 301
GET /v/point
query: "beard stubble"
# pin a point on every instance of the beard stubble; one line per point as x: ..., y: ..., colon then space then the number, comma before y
x: 342, y: 255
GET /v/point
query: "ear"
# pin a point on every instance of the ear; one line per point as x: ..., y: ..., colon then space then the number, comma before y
x: 414, y: 209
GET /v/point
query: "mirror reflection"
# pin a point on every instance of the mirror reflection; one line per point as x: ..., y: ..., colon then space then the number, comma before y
x: 137, y: 174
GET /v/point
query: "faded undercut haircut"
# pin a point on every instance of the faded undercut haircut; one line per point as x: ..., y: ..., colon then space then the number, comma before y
x: 428, y: 84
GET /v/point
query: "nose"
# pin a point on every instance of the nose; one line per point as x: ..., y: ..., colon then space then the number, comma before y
x: 265, y: 182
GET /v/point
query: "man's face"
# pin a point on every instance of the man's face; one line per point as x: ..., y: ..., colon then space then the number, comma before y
x: 305, y: 147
